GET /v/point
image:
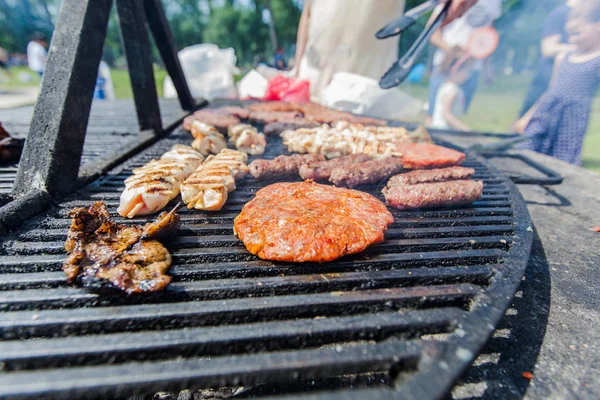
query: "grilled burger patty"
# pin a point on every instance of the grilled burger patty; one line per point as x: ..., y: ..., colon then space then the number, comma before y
x: 427, y: 155
x: 281, y: 166
x: 307, y: 221
x: 366, y: 172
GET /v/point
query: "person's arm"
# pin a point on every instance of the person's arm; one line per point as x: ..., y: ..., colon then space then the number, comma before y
x: 458, y: 9
x: 522, y: 122
x: 302, y: 36
x: 453, y: 121
x: 551, y: 46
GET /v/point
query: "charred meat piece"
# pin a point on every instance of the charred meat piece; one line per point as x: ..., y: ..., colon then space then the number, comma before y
x: 367, y: 172
x: 321, y: 170
x: 433, y: 194
x: 281, y: 166
x: 268, y: 117
x: 431, y: 175
x: 306, y: 221
x: 10, y: 148
x: 275, y: 128
x: 426, y: 155
x: 103, y: 255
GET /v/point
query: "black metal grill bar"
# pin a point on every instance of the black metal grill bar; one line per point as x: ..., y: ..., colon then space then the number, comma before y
x: 220, y: 241
x: 54, y: 323
x: 282, y: 366
x: 231, y: 339
x: 37, y: 299
x: 219, y: 264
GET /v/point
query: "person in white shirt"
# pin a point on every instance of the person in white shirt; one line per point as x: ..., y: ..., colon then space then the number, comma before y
x: 36, y: 53
x: 450, y: 98
x: 455, y: 35
x: 339, y: 36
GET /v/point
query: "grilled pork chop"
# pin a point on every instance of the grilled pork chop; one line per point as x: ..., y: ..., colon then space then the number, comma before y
x: 105, y: 255
x: 307, y: 221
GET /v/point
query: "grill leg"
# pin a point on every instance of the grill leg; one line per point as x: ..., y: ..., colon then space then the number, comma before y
x: 134, y: 36
x: 157, y: 21
x: 52, y: 153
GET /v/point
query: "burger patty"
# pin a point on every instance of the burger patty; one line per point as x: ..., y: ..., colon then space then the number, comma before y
x: 307, y: 221
x: 433, y: 194
x: 321, y: 170
x: 366, y: 172
x: 431, y: 175
x: 427, y: 155
x: 281, y: 166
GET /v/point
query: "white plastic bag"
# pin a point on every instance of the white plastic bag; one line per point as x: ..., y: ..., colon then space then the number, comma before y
x: 362, y: 95
x: 208, y: 70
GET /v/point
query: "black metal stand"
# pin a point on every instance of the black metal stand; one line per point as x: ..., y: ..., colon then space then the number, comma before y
x: 52, y: 155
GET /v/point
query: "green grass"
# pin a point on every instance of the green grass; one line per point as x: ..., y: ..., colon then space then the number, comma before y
x: 496, y: 107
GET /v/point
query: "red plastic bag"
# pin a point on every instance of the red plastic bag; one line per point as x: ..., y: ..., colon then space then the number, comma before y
x: 288, y: 89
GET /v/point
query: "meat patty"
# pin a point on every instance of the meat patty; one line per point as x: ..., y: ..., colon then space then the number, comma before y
x: 321, y: 170
x: 307, y: 221
x: 275, y: 128
x: 427, y: 155
x: 240, y: 112
x: 366, y: 172
x: 216, y: 119
x: 434, y: 194
x: 267, y: 117
x: 431, y: 175
x: 281, y: 166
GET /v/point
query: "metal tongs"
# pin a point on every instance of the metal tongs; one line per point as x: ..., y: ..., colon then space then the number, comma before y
x: 400, y: 70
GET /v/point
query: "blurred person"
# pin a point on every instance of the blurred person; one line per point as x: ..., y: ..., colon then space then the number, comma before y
x: 557, y: 123
x: 339, y: 36
x: 450, y: 98
x: 455, y: 36
x: 279, y: 60
x: 555, y: 40
x: 4, y: 62
x: 37, y: 54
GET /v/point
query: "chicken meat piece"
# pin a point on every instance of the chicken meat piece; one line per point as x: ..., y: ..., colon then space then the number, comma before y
x: 310, y: 222
x: 247, y: 139
x: 106, y: 256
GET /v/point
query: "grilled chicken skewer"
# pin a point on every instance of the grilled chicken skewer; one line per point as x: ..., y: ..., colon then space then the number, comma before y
x: 247, y: 139
x: 207, y: 138
x: 209, y: 186
x: 152, y: 186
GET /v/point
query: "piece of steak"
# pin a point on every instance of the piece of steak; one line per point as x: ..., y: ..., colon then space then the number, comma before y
x: 216, y: 119
x: 431, y: 175
x: 321, y: 170
x: 433, y: 194
x: 366, y: 172
x: 275, y: 128
x: 306, y: 221
x: 427, y: 155
x: 268, y: 117
x: 281, y: 166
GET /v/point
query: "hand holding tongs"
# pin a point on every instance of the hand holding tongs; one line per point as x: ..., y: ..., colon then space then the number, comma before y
x: 400, y: 70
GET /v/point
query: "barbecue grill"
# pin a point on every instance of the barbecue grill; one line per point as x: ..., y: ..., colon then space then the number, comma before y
x: 402, y: 319
x: 229, y: 318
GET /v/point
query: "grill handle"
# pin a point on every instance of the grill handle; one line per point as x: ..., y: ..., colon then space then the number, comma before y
x: 552, y: 177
